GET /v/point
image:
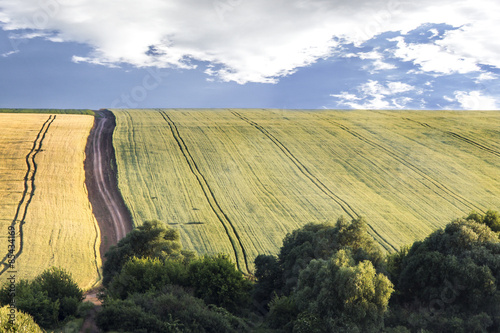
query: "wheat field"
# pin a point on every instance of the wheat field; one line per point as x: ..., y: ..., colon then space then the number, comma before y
x: 44, y: 196
x: 237, y: 180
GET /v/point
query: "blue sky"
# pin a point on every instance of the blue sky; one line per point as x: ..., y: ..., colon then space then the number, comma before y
x: 314, y: 54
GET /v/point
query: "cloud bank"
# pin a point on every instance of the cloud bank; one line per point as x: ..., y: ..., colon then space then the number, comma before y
x: 259, y: 40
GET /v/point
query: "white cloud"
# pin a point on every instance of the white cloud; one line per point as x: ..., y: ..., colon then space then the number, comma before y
x: 434, y: 33
x: 486, y: 76
x: 377, y: 65
x: 6, y: 54
x: 434, y: 58
x: 259, y: 40
x: 374, y: 95
x: 475, y: 100
x: 399, y: 87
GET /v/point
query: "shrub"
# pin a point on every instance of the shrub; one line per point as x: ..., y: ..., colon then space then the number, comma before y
x: 217, y: 281
x: 150, y: 240
x: 50, y: 298
x: 140, y: 275
x: 23, y: 323
x: 171, y: 310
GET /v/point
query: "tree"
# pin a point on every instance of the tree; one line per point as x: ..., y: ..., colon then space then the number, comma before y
x: 50, y: 298
x: 141, y: 275
x: 313, y: 241
x: 269, y: 276
x: 452, y: 277
x: 312, y: 290
x: 217, y: 281
x: 150, y: 240
x: 491, y: 219
x: 342, y: 294
x: 60, y: 287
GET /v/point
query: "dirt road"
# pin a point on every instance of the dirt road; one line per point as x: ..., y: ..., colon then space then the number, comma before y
x: 109, y: 209
x: 107, y: 204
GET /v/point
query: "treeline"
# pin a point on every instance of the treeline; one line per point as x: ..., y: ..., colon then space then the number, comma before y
x: 325, y: 278
x: 335, y: 279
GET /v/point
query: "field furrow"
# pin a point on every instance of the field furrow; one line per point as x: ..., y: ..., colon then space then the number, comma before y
x: 430, y: 183
x: 461, y: 137
x: 231, y: 232
x: 346, y: 207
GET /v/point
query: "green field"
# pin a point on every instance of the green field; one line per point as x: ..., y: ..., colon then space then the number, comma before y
x: 237, y: 180
x: 42, y: 187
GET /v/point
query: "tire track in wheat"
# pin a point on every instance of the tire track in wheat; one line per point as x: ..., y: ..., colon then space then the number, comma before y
x: 460, y: 137
x: 29, y: 189
x: 231, y: 232
x: 439, y: 188
x: 346, y: 207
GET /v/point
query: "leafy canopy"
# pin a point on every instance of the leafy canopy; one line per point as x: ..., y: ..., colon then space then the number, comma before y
x: 150, y: 240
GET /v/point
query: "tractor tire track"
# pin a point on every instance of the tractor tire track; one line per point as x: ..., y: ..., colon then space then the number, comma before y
x: 346, y: 207
x: 29, y: 189
x: 229, y: 227
x: 439, y: 188
x: 460, y: 137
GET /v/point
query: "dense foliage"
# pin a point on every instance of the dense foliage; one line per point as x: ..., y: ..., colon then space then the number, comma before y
x: 313, y: 241
x: 170, y: 310
x: 450, y: 281
x: 23, y: 323
x: 155, y: 286
x: 326, y: 278
x: 150, y: 240
x: 50, y: 298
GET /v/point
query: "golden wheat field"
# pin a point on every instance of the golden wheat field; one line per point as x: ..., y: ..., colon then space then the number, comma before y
x: 237, y: 180
x: 44, y: 196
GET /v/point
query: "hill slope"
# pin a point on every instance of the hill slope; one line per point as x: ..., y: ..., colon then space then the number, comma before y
x: 236, y: 181
x: 44, y: 196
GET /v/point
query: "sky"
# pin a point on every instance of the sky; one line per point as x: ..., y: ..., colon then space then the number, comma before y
x: 287, y: 54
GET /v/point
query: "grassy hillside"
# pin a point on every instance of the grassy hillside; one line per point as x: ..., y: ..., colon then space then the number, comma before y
x: 44, y: 196
x: 237, y: 181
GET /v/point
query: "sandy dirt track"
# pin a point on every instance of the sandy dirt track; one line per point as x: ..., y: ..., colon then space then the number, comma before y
x: 108, y: 206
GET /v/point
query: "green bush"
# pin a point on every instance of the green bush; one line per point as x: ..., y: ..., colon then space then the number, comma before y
x: 60, y: 287
x: 17, y: 322
x: 140, y: 275
x: 50, y: 298
x: 171, y: 310
x: 346, y: 295
x: 31, y: 299
x: 282, y: 313
x: 217, y: 281
x: 150, y: 240
x: 321, y: 241
x: 130, y: 317
x: 452, y: 279
x: 491, y: 219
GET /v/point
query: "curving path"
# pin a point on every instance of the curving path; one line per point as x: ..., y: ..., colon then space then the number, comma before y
x: 109, y: 208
